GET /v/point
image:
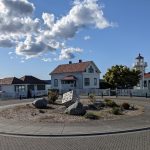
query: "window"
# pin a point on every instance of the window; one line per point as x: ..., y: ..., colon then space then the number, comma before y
x: 40, y: 87
x: 95, y: 81
x: 86, y: 81
x: 31, y: 87
x: 19, y: 88
x: 145, y: 83
x: 91, y: 70
x: 55, y: 82
x: 67, y: 82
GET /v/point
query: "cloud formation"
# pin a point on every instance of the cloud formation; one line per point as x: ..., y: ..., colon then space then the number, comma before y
x: 87, y: 37
x: 17, y: 7
x: 68, y: 53
x: 33, y: 37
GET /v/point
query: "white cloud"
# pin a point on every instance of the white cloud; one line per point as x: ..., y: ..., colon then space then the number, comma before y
x: 87, y: 38
x: 10, y: 53
x: 83, y: 14
x: 32, y: 47
x: 6, y: 42
x: 33, y: 37
x: 46, y: 59
x: 17, y: 7
x: 68, y: 53
x: 48, y: 19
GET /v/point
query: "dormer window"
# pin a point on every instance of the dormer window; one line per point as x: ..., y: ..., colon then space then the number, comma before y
x: 91, y: 70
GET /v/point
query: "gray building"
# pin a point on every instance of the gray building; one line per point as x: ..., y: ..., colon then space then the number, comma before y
x: 27, y: 87
x: 75, y: 76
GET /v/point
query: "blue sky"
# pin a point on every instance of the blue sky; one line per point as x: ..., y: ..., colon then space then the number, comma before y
x: 115, y: 37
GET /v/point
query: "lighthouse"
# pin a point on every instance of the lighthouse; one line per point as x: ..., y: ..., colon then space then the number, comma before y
x: 141, y: 65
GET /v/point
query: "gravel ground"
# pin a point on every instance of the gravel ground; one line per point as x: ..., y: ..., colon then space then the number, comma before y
x: 14, y: 101
x: 55, y: 113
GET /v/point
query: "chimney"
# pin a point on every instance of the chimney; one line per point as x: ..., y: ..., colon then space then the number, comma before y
x: 70, y: 62
x: 80, y: 61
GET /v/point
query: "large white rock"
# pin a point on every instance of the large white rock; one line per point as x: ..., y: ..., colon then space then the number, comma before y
x: 69, y: 98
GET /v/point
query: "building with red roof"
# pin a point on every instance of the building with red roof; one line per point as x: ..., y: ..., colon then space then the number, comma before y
x: 26, y: 86
x: 147, y: 81
x: 72, y: 76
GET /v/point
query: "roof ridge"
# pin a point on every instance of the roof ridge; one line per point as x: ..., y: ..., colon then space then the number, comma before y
x: 73, y: 67
x: 75, y: 63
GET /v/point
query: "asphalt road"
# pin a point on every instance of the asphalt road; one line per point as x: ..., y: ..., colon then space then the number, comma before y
x: 131, y: 141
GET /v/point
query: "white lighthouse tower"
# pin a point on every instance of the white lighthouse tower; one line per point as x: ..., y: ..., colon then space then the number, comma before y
x: 140, y: 65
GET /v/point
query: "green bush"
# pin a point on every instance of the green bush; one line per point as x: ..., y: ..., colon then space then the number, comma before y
x: 107, y: 100
x: 52, y: 96
x: 125, y: 106
x: 116, y: 111
x: 91, y: 115
x: 110, y: 103
x: 92, y: 98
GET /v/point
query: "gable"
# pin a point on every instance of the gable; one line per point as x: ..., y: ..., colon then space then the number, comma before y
x: 92, y: 68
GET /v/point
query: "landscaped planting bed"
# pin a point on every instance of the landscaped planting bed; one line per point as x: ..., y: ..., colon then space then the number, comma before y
x: 55, y: 113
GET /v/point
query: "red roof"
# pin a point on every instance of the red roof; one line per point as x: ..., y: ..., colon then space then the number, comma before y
x: 70, y: 68
x: 69, y: 78
x: 147, y: 75
x: 31, y: 80
x: 23, y: 80
x: 11, y: 80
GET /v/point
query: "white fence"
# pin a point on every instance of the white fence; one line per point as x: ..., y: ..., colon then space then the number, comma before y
x: 104, y: 92
x: 133, y: 92
x: 118, y: 92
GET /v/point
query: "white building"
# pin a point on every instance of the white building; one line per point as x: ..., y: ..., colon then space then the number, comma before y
x: 75, y: 76
x: 27, y: 87
x: 141, y: 65
x: 147, y: 81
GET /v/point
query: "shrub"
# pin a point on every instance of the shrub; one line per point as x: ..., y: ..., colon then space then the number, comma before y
x: 107, y: 100
x: 92, y: 98
x: 126, y: 106
x: 116, y: 111
x: 91, y: 115
x: 110, y: 103
x: 52, y: 96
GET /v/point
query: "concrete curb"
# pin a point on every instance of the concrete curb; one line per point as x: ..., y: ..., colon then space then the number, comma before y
x: 76, y: 135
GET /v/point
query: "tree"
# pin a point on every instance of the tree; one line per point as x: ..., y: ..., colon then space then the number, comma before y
x: 120, y: 76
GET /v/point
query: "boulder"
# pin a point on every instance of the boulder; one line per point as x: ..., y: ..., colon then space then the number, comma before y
x: 99, y: 104
x: 92, y: 107
x: 96, y: 106
x: 69, y: 98
x: 40, y: 103
x: 76, y: 109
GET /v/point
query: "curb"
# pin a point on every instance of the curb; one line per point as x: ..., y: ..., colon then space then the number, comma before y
x: 76, y: 135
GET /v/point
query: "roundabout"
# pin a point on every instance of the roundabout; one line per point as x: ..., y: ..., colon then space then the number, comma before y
x: 91, y: 127
x: 121, y: 134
